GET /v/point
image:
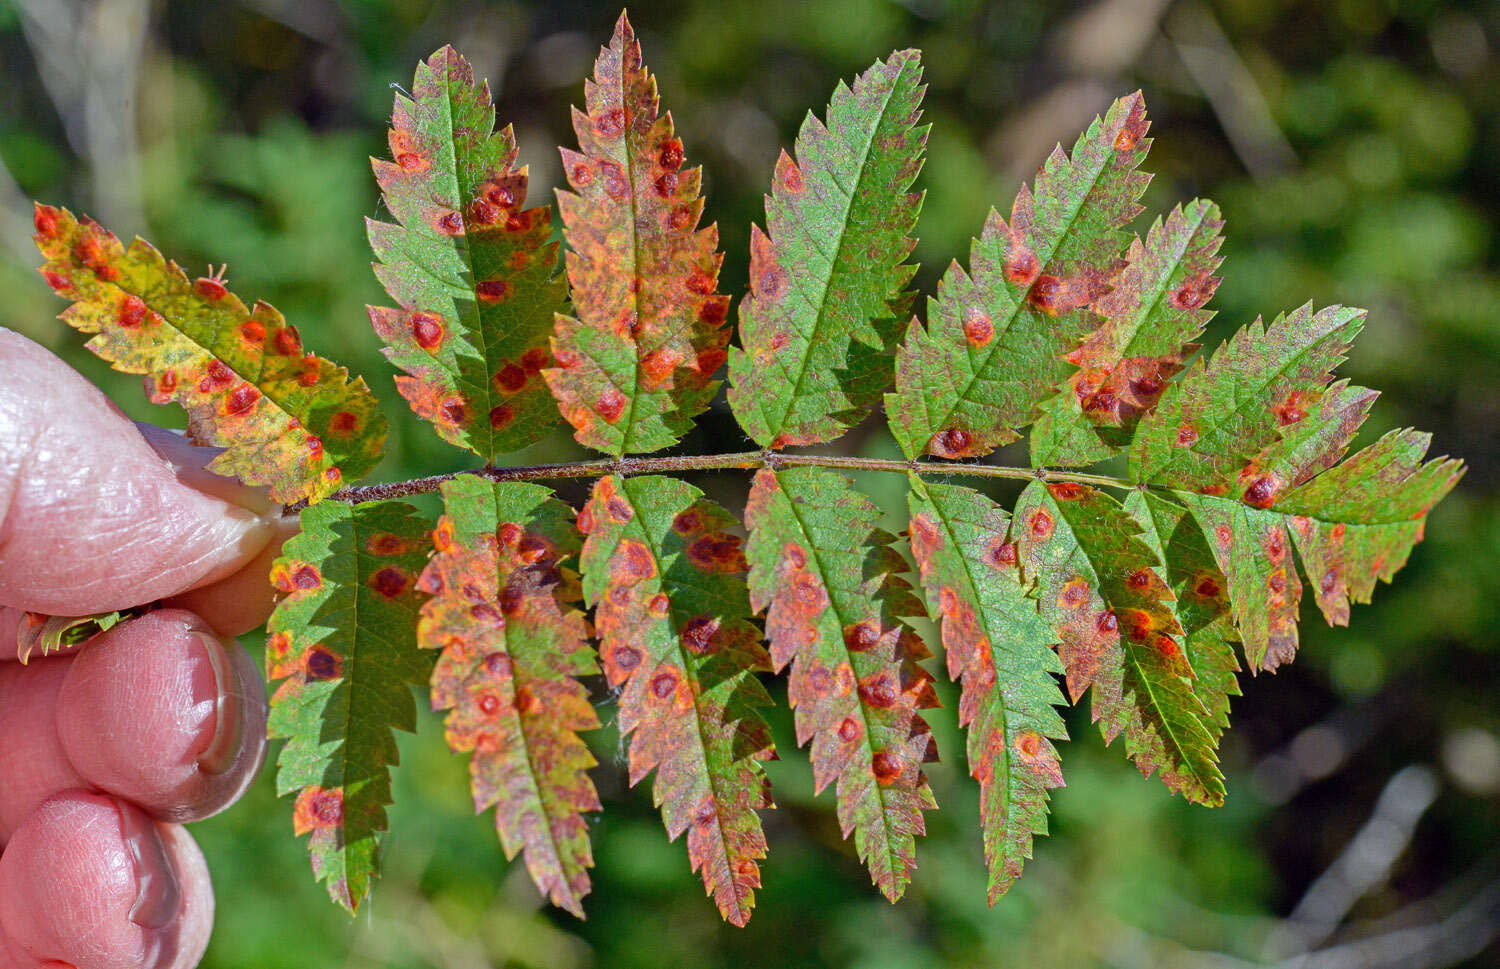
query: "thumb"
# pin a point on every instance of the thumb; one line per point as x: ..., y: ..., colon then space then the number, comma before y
x: 92, y: 517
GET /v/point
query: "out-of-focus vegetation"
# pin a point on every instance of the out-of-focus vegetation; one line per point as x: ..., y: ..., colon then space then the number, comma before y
x: 1355, y: 148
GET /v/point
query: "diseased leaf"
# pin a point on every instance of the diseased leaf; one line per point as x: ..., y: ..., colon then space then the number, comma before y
x: 1208, y: 634
x: 996, y: 335
x: 634, y: 366
x: 43, y: 635
x: 513, y: 646
x: 1113, y: 615
x: 1150, y: 318
x: 667, y: 579
x: 1222, y: 414
x: 343, y: 641
x: 828, y: 277
x: 473, y: 272
x: 998, y: 644
x: 1351, y: 525
x: 830, y: 584
x: 287, y: 419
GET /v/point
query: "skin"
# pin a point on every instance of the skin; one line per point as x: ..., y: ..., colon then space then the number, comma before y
x: 107, y: 750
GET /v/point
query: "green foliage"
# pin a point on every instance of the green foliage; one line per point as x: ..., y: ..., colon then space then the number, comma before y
x: 1061, y: 323
x: 473, y: 271
x: 343, y: 642
x: 827, y: 299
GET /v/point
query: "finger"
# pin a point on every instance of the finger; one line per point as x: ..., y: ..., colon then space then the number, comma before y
x: 92, y: 882
x: 160, y: 711
x: 156, y: 710
x: 241, y: 602
x: 93, y: 518
x: 32, y: 761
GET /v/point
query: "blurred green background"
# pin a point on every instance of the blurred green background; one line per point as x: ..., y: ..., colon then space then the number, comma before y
x: 1355, y: 148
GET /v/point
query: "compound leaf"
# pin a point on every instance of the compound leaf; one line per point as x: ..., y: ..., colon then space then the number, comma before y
x: 1150, y: 318
x: 474, y: 273
x: 513, y: 646
x: 287, y: 419
x: 634, y: 366
x: 343, y: 642
x: 829, y: 583
x: 828, y: 277
x: 1112, y: 614
x: 996, y: 335
x: 997, y: 643
x: 667, y: 581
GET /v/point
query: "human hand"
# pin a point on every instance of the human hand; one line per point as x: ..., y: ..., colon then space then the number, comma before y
x: 157, y: 721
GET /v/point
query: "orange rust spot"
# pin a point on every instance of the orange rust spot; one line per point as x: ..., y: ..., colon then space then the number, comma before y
x: 44, y: 220
x: 687, y: 522
x: 492, y: 290
x: 632, y: 562
x: 623, y: 657
x: 1067, y: 490
x: 320, y: 665
x: 665, y: 184
x: 306, y: 578
x: 318, y: 808
x: 1048, y: 294
x: 390, y: 581
x: 343, y: 423
x: 332, y: 475
x: 789, y: 174
x: 502, y: 416
x: 880, y: 690
x: 619, y: 509
x: 1207, y: 587
x: 850, y: 730
x: 1003, y: 554
x: 1028, y: 745
x: 771, y: 283
x: 1263, y: 491
x: 1186, y: 435
x: 1021, y: 265
x: 794, y: 555
x: 133, y: 312
x: 581, y: 175
x: 532, y: 549
x: 1276, y: 582
x: 861, y: 636
x: 1140, y: 579
x: 610, y: 405
x: 241, y: 400
x: 682, y: 218
x: 664, y: 683
x: 1040, y: 524
x: 526, y: 702
x: 885, y: 768
x: 450, y: 224
x: 253, y: 331
x: 484, y: 212
x: 288, y: 341
x: 978, y: 329
x: 658, y: 365
x: 955, y: 442
x: 57, y: 281
x: 611, y: 123
x: 533, y: 360
x: 426, y: 329
x: 1167, y: 646
x: 716, y: 552
x: 1290, y: 411
x: 699, y: 633
x: 454, y: 411
x: 386, y: 543
x: 714, y: 311
x: 1075, y: 592
x: 670, y: 156
x: 219, y: 374
x: 1108, y: 623
x: 615, y: 185
x: 510, y: 379
x: 489, y: 704
x: 1127, y: 139
x: 1275, y: 545
x: 659, y: 605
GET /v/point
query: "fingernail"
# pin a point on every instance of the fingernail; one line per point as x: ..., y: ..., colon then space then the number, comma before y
x: 218, y: 696
x: 158, y: 898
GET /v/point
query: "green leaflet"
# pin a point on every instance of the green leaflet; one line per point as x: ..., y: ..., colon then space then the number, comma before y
x: 287, y: 419
x: 993, y: 346
x: 668, y: 583
x: 1202, y: 600
x: 829, y: 583
x: 636, y: 364
x: 1351, y: 525
x: 342, y: 640
x: 474, y: 273
x: 513, y: 646
x: 998, y: 644
x: 1099, y: 588
x: 1150, y: 318
x: 1222, y: 414
x: 827, y: 280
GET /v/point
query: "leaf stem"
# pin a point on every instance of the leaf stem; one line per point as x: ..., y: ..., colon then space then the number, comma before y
x: 741, y: 460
